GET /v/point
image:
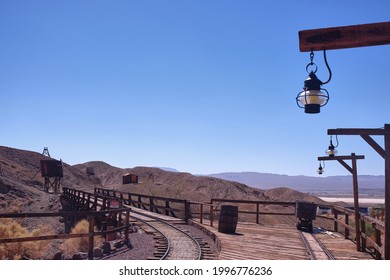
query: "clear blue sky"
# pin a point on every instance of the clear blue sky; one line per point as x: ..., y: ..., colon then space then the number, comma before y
x: 200, y: 86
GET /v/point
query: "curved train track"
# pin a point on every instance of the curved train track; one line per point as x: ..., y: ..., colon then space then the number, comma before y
x: 172, y: 242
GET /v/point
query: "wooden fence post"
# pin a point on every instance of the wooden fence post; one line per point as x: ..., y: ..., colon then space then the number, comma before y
x: 91, y: 221
x: 211, y: 215
x: 187, y: 211
x: 201, y: 214
x: 378, y: 240
x: 363, y: 230
x: 127, y: 222
x: 346, y: 234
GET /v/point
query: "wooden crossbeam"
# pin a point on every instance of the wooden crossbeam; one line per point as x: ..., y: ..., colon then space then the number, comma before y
x: 352, y: 36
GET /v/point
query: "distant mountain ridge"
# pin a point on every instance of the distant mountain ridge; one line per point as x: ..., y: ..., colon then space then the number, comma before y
x: 367, y: 183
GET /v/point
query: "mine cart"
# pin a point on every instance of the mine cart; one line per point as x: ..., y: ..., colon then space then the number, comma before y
x: 306, y: 213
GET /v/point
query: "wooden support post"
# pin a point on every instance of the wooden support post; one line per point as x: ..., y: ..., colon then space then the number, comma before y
x: 187, y: 211
x: 257, y: 212
x: 91, y: 220
x: 336, y: 217
x: 127, y: 223
x: 378, y: 240
x: 346, y: 231
x: 387, y: 192
x: 356, y: 203
x: 363, y: 231
x: 201, y: 214
x: 167, y: 207
x: 211, y: 215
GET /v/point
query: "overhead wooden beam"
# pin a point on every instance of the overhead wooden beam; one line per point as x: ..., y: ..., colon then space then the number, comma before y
x: 358, y: 131
x: 341, y: 157
x: 352, y: 36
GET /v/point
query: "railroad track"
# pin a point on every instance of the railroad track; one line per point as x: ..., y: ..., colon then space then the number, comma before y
x: 172, y: 241
x: 314, y: 247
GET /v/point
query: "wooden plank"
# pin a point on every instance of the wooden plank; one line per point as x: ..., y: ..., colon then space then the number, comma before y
x: 352, y: 36
x: 341, y: 157
x: 358, y: 131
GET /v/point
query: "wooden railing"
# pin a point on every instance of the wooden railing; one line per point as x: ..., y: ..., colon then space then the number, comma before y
x: 168, y: 206
x: 345, y: 218
x: 91, y: 217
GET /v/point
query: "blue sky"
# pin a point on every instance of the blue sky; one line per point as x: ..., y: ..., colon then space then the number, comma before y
x: 200, y: 86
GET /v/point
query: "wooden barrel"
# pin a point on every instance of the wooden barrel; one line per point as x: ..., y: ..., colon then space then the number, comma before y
x: 228, y: 219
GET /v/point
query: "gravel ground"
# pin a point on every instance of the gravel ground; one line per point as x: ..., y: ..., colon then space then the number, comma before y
x: 143, y: 245
x: 142, y: 248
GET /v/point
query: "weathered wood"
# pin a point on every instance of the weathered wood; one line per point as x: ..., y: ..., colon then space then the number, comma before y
x: 385, y: 153
x: 374, y: 145
x: 344, y: 37
x: 356, y: 202
x: 341, y: 157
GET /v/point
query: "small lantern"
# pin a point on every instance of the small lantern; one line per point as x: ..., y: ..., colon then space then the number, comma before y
x: 313, y: 97
x: 331, y: 151
x: 320, y: 169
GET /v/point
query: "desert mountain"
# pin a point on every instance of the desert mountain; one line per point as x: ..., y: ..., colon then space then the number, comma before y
x: 21, y: 184
x: 367, y: 183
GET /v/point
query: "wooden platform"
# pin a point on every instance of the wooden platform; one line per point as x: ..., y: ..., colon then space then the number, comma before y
x: 280, y: 242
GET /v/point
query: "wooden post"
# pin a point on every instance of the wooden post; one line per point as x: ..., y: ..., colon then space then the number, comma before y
x: 211, y: 214
x: 91, y: 221
x: 166, y: 207
x: 201, y: 214
x: 346, y: 231
x: 356, y: 202
x: 363, y: 230
x: 387, y: 192
x: 127, y: 223
x: 336, y: 224
x: 257, y: 212
x: 378, y: 240
x: 187, y: 211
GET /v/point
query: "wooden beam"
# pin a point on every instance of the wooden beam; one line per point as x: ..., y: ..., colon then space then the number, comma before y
x: 357, y: 131
x: 349, y: 168
x: 342, y: 157
x: 352, y: 36
x: 374, y: 145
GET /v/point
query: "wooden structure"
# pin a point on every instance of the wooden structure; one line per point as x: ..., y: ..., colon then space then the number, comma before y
x: 353, y: 171
x: 252, y: 241
x: 384, y: 152
x: 344, y: 37
x: 82, y: 199
x: 52, y: 173
x: 351, y: 37
x: 161, y: 205
x: 129, y: 179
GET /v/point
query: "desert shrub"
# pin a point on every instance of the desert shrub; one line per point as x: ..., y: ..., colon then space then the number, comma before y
x: 79, y: 244
x: 32, y: 249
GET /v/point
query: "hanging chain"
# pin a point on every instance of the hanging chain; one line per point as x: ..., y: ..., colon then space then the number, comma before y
x: 311, y: 57
x: 314, y: 70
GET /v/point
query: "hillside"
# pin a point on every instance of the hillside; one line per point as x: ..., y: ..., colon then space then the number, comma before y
x: 21, y: 184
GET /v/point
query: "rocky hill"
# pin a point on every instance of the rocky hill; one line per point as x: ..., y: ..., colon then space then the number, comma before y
x: 21, y: 184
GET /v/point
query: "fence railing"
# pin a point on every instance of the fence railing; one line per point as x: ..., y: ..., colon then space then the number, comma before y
x: 91, y: 217
x: 345, y: 218
x: 174, y: 207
